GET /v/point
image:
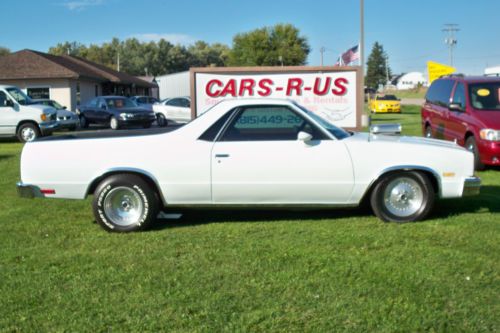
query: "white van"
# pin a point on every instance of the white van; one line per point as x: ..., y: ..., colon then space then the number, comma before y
x: 18, y: 117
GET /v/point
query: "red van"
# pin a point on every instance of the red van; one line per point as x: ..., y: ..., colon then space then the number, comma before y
x: 465, y: 110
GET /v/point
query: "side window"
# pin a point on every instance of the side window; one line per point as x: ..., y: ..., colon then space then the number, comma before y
x: 268, y: 123
x: 459, y: 95
x: 185, y: 103
x: 3, y: 100
x: 173, y: 102
x: 211, y: 133
x: 92, y: 103
x: 440, y: 92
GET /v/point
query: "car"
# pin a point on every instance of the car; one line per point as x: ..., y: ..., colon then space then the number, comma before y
x: 466, y: 110
x: 176, y: 110
x: 385, y: 104
x: 145, y: 102
x: 65, y: 118
x: 115, y: 111
x: 251, y: 153
x: 20, y: 118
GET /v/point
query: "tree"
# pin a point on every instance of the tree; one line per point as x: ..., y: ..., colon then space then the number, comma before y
x: 4, y: 51
x: 270, y: 46
x: 377, y: 71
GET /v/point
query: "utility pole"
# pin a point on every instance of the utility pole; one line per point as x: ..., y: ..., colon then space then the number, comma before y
x: 322, y: 50
x: 118, y: 60
x: 451, y: 41
x: 386, y: 70
x: 362, y: 42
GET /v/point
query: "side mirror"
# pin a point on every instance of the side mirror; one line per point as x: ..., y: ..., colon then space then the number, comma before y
x: 304, y: 137
x: 455, y: 107
x: 103, y: 107
x: 65, y: 107
x: 9, y: 103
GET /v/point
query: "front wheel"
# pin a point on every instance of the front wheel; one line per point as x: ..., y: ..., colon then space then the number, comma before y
x: 28, y: 132
x: 471, y: 146
x: 428, y: 131
x: 403, y: 197
x: 125, y: 203
x: 161, y: 120
x: 113, y: 123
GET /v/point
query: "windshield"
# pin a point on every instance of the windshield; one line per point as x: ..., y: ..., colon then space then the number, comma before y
x: 19, y: 96
x: 56, y: 105
x: 387, y: 98
x: 119, y: 103
x: 485, y: 96
x: 337, y: 132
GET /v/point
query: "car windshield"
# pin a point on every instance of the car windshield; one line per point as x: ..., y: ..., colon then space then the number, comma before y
x: 56, y: 105
x: 119, y: 103
x: 19, y: 96
x: 387, y: 98
x: 337, y: 132
x: 485, y: 96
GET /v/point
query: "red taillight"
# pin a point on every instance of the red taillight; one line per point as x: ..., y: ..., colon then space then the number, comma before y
x: 48, y: 191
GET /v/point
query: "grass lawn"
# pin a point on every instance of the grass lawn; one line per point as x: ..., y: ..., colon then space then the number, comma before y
x: 411, y: 93
x: 232, y: 271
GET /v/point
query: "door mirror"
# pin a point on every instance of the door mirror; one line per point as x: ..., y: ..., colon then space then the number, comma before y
x: 65, y: 107
x: 103, y: 107
x: 8, y: 103
x: 455, y: 107
x: 304, y: 137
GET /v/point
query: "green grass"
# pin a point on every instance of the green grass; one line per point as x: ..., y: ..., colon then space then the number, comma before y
x: 411, y: 93
x: 249, y: 271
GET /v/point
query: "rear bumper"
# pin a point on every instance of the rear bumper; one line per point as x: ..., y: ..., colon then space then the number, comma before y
x: 472, y: 186
x: 28, y: 191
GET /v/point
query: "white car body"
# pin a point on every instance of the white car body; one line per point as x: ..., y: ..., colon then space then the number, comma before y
x: 16, y: 114
x: 176, y: 110
x: 189, y: 171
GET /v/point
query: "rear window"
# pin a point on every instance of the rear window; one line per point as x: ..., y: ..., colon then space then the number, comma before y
x: 439, y: 92
x: 485, y: 96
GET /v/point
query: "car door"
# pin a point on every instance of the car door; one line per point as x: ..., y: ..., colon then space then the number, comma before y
x: 89, y: 110
x: 102, y: 113
x: 259, y: 160
x: 457, y: 120
x: 9, y: 116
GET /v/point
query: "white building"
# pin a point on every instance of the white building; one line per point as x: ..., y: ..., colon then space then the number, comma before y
x: 411, y: 80
x: 492, y: 71
x: 174, y: 85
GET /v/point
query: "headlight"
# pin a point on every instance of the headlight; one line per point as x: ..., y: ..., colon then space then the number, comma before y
x: 126, y: 115
x: 43, y: 117
x: 489, y: 134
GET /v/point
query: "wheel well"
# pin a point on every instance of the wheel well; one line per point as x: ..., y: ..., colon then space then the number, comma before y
x: 22, y: 122
x: 431, y: 176
x: 468, y: 134
x: 147, y: 179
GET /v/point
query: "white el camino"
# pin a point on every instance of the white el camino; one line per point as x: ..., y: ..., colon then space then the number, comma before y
x: 258, y: 153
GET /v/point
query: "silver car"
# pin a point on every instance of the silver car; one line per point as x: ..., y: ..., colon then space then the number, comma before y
x: 65, y: 118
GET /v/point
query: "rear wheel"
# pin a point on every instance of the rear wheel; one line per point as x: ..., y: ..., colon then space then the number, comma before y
x: 125, y: 203
x: 84, y: 123
x: 161, y: 120
x: 28, y: 132
x: 405, y: 196
x: 471, y: 146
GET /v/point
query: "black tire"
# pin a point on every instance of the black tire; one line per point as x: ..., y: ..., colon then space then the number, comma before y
x: 428, y: 131
x: 471, y: 146
x: 147, y: 125
x: 161, y: 120
x: 84, y: 123
x: 127, y: 192
x: 393, y: 204
x: 72, y: 128
x: 114, y: 124
x: 28, y: 132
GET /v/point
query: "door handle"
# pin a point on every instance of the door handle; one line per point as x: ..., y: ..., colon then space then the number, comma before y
x: 221, y: 155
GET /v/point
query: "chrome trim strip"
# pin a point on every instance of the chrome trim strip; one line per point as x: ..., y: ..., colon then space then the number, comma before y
x: 284, y: 206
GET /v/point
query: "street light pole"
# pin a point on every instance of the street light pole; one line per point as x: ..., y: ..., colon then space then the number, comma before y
x: 322, y: 51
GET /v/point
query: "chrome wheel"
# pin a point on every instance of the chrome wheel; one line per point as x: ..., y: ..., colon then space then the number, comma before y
x: 123, y: 206
x: 113, y: 123
x: 428, y: 132
x: 28, y: 134
x: 403, y: 197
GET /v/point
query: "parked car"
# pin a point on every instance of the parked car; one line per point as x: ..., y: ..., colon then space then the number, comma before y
x: 176, y: 110
x: 115, y: 111
x: 19, y: 117
x: 65, y: 118
x: 257, y: 153
x: 465, y: 110
x: 385, y: 104
x: 145, y: 102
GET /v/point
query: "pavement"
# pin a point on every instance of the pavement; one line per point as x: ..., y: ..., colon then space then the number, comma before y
x: 95, y: 131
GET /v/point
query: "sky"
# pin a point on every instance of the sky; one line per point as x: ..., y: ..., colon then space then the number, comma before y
x: 409, y: 30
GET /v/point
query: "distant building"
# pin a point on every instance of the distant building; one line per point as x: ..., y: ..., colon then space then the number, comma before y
x: 69, y: 80
x: 154, y: 91
x: 174, y: 85
x: 492, y: 71
x: 410, y: 80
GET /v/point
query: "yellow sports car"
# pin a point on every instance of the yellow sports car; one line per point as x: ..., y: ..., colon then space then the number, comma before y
x: 385, y: 104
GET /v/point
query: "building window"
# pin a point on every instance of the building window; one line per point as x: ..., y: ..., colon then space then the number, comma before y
x: 38, y: 93
x: 78, y: 98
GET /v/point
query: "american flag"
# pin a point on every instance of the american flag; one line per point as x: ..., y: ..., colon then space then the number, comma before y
x: 349, y: 56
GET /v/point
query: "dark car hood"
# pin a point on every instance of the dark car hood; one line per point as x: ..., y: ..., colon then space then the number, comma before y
x: 490, y: 119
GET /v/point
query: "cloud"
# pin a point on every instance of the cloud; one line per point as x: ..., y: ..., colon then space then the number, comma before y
x: 172, y: 38
x: 78, y: 5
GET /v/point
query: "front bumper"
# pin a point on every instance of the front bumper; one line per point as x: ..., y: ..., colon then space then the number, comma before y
x: 28, y: 191
x: 472, y: 186
x: 48, y: 126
